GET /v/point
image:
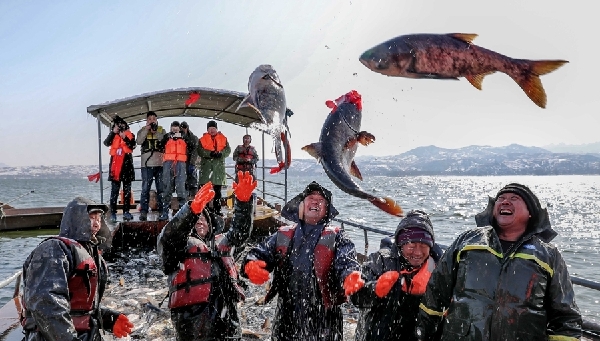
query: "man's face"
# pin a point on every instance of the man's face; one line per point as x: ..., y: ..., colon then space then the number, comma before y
x: 212, y: 131
x: 511, y: 211
x: 151, y: 119
x: 201, y: 226
x: 174, y: 129
x: 184, y: 130
x: 247, y: 140
x: 415, y: 253
x: 315, y: 208
x: 96, y: 221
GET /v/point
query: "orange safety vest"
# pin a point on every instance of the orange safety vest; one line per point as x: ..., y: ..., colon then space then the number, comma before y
x: 323, y: 260
x: 175, y: 150
x: 217, y: 144
x: 118, y: 143
x: 419, y: 279
x: 193, y: 282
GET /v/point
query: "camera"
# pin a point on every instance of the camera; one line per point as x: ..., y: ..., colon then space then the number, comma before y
x: 153, y: 126
x: 175, y: 135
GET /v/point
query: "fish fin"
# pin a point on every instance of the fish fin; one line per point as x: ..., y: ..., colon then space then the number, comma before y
x: 247, y: 102
x: 354, y: 171
x: 542, y: 67
x: 365, y: 138
x: 476, y: 80
x: 466, y: 37
x: 388, y: 205
x: 314, y: 149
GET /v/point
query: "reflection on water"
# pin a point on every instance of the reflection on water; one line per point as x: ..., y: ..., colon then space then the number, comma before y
x: 573, y: 203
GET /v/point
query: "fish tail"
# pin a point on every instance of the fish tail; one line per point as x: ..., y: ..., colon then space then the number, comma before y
x: 531, y: 83
x: 388, y: 205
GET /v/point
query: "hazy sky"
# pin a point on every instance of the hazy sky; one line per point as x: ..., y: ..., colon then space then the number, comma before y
x: 57, y: 58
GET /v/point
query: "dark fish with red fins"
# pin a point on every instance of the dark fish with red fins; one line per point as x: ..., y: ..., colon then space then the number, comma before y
x: 449, y: 56
x: 339, y: 139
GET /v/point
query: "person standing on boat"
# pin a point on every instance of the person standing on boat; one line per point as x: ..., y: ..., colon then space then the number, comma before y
x: 122, y: 143
x: 149, y: 137
x: 191, y: 140
x: 245, y: 156
x: 314, y: 268
x: 213, y: 150
x: 203, y: 278
x: 64, y: 279
x: 396, y: 277
x: 174, y: 168
x: 502, y: 280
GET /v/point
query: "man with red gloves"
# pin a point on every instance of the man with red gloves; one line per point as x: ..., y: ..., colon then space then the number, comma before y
x: 314, y: 268
x: 396, y: 277
x: 64, y: 279
x: 203, y: 278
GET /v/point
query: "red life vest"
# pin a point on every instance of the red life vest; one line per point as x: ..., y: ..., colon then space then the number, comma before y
x: 323, y: 260
x: 192, y: 283
x: 245, y: 153
x: 119, y: 143
x: 175, y: 150
x: 83, y: 286
x: 217, y: 144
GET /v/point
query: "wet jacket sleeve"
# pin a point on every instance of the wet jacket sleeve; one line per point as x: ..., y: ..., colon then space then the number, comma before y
x: 242, y: 222
x: 226, y: 151
x: 130, y: 142
x: 141, y: 136
x: 438, y: 295
x: 265, y: 251
x: 109, y: 317
x: 172, y: 240
x: 46, y: 293
x: 564, y: 319
x: 108, y: 140
x: 345, y: 260
x: 371, y: 270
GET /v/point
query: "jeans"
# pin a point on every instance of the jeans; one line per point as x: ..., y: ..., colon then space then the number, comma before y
x: 114, y: 194
x: 174, y: 176
x: 150, y: 174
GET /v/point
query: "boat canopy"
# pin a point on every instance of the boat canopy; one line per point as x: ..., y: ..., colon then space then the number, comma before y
x: 213, y: 104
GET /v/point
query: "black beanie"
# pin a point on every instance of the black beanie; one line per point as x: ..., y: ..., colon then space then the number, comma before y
x: 211, y: 124
x: 532, y: 202
x: 174, y: 124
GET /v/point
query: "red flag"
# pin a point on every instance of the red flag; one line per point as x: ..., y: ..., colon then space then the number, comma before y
x: 94, y: 177
x: 194, y: 96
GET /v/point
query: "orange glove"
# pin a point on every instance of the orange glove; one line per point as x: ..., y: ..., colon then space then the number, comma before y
x: 122, y: 326
x: 203, y: 197
x: 353, y: 283
x: 385, y: 283
x: 255, y: 270
x: 244, y: 187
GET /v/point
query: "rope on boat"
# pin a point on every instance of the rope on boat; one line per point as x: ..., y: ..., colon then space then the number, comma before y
x: 10, y: 279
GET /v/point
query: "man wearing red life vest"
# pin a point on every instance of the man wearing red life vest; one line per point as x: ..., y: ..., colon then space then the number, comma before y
x: 213, y: 148
x: 314, y: 268
x: 203, y: 278
x: 245, y: 156
x: 396, y: 277
x: 122, y: 143
x: 174, y: 168
x: 64, y: 279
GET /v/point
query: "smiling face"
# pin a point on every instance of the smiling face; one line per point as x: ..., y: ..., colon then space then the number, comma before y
x: 201, y: 226
x: 314, y: 208
x: 96, y: 222
x: 415, y: 253
x: 511, y: 213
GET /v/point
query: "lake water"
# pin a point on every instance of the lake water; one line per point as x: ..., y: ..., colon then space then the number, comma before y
x: 573, y: 203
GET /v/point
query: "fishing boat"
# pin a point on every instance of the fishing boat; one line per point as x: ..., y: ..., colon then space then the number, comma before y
x: 29, y: 218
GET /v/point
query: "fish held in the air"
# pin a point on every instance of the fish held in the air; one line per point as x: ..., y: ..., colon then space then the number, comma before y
x: 267, y: 96
x: 339, y: 139
x: 449, y: 56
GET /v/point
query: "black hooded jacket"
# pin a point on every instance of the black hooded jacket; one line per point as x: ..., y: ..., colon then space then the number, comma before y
x: 392, y: 317
x: 46, y: 273
x: 487, y: 294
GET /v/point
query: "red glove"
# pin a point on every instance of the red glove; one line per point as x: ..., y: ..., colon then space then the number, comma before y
x: 122, y: 326
x: 244, y: 187
x: 385, y: 283
x: 203, y: 197
x: 255, y: 270
x: 353, y: 283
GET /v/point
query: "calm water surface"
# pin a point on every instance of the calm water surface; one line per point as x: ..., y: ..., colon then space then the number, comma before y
x: 573, y: 203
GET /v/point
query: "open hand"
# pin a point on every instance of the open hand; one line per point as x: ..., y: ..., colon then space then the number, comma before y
x: 244, y: 187
x: 255, y: 270
x: 203, y: 197
x: 353, y: 283
x: 122, y: 326
x: 385, y: 283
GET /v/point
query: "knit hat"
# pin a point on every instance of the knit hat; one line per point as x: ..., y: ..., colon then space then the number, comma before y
x: 184, y: 125
x: 415, y: 227
x: 315, y: 187
x: 414, y: 235
x: 211, y: 124
x: 531, y: 200
x: 175, y: 124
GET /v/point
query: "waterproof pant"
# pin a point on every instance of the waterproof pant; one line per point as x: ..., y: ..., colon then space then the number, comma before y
x: 207, y: 322
x: 174, y: 176
x: 150, y: 174
x: 114, y: 194
x: 191, y: 182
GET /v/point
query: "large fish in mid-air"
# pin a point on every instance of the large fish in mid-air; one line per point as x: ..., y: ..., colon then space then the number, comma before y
x: 449, y: 56
x: 337, y: 146
x: 266, y: 95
